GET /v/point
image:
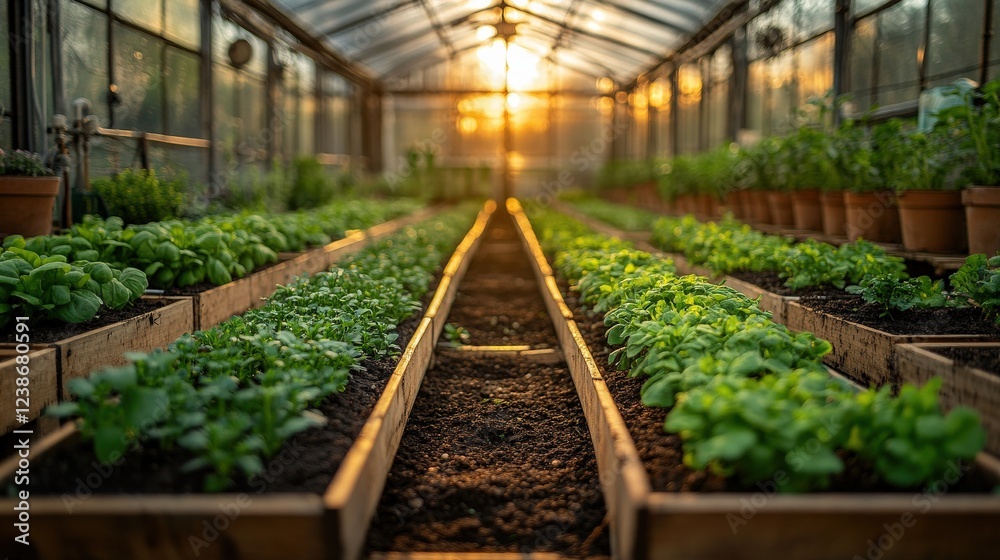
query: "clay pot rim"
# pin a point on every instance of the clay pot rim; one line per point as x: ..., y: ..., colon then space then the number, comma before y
x: 929, y: 199
x: 14, y: 185
x: 981, y: 196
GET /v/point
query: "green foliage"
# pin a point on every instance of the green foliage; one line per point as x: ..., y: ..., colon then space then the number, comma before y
x: 232, y: 395
x: 729, y: 246
x: 456, y: 335
x: 215, y: 249
x: 908, y: 439
x: 810, y: 159
x: 895, y: 294
x: 312, y: 187
x: 749, y: 399
x: 48, y: 287
x: 140, y: 197
x: 978, y: 121
x: 627, y: 218
x: 979, y: 280
x: 20, y: 163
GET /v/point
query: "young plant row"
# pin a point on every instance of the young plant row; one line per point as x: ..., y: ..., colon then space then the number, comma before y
x: 750, y: 399
x: 214, y: 250
x: 229, y: 397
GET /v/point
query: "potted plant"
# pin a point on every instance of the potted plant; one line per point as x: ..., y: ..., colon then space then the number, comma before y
x: 758, y: 170
x: 28, y: 191
x: 811, y: 171
x: 677, y: 184
x: 870, y: 206
x: 931, y: 214
x: 980, y: 138
x: 713, y: 176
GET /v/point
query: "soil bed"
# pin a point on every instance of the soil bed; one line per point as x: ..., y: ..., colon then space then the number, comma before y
x: 53, y: 331
x: 914, y: 321
x: 498, y: 302
x: 662, y: 453
x: 986, y: 359
x: 775, y: 284
x: 306, y: 463
x: 497, y: 455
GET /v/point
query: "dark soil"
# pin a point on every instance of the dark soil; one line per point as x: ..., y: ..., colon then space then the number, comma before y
x: 498, y: 301
x: 986, y: 359
x: 773, y: 283
x: 914, y: 321
x: 662, y: 453
x: 497, y: 455
x: 52, y: 331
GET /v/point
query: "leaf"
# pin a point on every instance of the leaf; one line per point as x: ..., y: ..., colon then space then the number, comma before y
x: 135, y: 281
x: 822, y: 461
x: 115, y: 294
x: 727, y: 446
x: 60, y: 295
x: 142, y: 405
x: 83, y: 306
x: 28, y: 298
x: 109, y: 443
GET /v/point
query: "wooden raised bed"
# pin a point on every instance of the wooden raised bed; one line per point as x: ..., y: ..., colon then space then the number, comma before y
x: 215, y: 305
x: 80, y: 355
x: 239, y: 526
x: 865, y: 354
x: 692, y: 526
x: 44, y: 384
x: 961, y: 384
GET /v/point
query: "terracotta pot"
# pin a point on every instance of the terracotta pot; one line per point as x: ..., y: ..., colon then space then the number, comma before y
x: 933, y: 221
x: 806, y: 210
x: 646, y: 195
x: 834, y: 213
x: 26, y: 205
x: 781, y: 208
x: 760, y: 210
x: 686, y: 204
x: 872, y: 216
x: 737, y: 204
x: 705, y: 206
x: 982, y: 215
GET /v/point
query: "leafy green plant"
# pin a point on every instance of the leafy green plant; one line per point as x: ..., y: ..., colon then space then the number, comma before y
x: 47, y: 287
x: 231, y: 396
x: 20, y: 163
x: 140, y: 197
x: 979, y: 133
x: 456, y: 335
x: 979, y: 280
x: 312, y: 186
x: 895, y: 294
x: 908, y: 439
x: 748, y: 398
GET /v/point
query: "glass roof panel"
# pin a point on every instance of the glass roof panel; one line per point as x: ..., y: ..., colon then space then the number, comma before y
x: 616, y: 38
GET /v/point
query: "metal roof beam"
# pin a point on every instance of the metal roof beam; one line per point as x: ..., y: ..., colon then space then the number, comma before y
x: 651, y: 19
x: 365, y: 19
x: 432, y: 17
x: 586, y: 33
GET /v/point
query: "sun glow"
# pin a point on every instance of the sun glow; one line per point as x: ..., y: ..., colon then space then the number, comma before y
x: 495, y: 57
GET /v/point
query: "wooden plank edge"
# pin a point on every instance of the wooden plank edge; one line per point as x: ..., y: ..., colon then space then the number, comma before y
x: 43, y: 367
x: 352, y: 496
x: 623, y: 478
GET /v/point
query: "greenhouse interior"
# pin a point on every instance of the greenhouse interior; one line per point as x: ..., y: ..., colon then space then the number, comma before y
x: 535, y: 279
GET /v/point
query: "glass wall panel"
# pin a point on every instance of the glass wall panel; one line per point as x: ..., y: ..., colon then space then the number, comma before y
x: 182, y: 75
x: 815, y: 16
x: 862, y: 56
x: 954, y: 42
x: 138, y: 75
x: 147, y: 13
x: 756, y: 95
x: 815, y: 68
x: 85, y: 57
x: 900, y: 41
x: 183, y: 22
x: 689, y: 86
